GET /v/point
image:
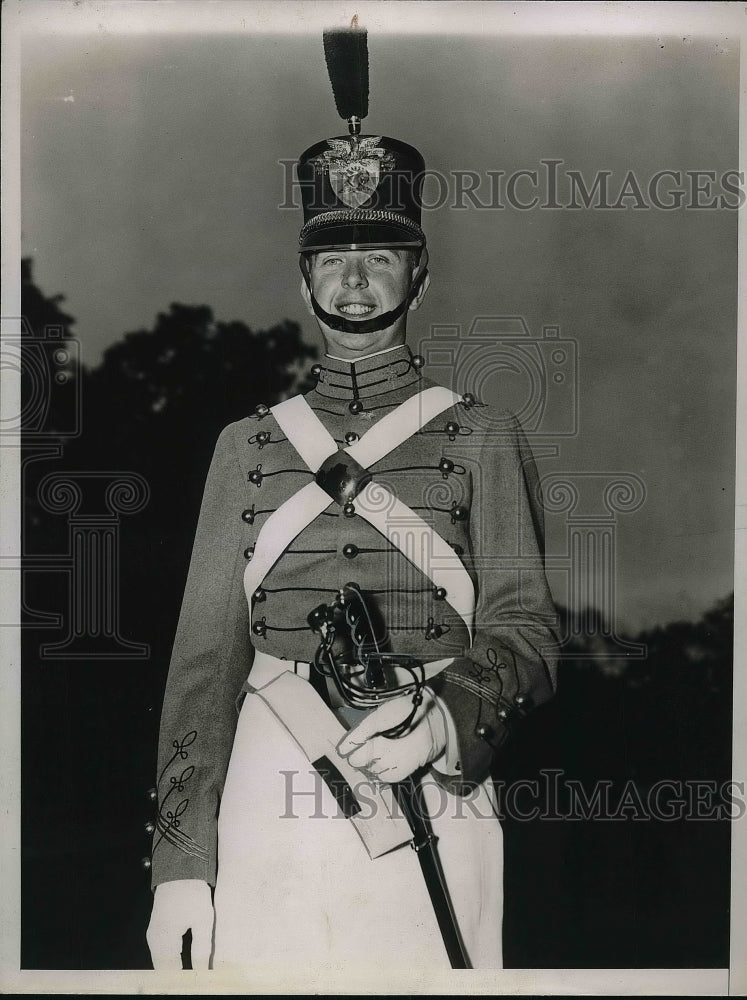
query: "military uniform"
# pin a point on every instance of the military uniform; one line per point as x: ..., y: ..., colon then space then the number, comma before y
x: 478, y: 491
x: 428, y: 502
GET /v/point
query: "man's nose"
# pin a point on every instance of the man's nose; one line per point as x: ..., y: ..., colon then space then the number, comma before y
x: 354, y: 276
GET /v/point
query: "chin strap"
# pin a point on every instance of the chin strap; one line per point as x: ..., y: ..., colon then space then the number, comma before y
x: 387, y: 319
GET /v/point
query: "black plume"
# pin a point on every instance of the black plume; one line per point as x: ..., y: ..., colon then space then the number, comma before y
x: 346, y: 52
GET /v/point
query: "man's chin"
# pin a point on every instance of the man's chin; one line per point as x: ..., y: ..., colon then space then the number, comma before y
x: 358, y: 343
x: 358, y: 336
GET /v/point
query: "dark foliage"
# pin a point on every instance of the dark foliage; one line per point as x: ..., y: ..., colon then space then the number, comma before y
x: 630, y: 891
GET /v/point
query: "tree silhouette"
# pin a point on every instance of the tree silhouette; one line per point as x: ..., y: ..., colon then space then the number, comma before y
x: 176, y: 386
x: 39, y: 309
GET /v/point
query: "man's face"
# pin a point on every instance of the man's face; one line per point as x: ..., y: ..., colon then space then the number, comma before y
x: 361, y: 285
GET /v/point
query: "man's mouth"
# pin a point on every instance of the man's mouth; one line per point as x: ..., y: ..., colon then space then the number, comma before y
x: 355, y: 309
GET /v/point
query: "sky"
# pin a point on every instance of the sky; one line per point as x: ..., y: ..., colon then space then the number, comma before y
x: 152, y: 172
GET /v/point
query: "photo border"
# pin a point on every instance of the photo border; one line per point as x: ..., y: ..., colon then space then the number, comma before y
x: 549, y: 19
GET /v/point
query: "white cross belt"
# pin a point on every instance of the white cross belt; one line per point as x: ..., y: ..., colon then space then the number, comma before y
x: 400, y: 525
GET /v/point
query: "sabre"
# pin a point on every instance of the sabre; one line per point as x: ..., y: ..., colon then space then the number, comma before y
x: 349, y: 656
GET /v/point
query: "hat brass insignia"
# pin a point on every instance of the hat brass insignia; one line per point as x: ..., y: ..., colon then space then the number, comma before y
x: 354, y: 167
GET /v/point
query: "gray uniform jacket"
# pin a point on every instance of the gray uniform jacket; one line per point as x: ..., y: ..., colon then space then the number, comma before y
x: 469, y: 473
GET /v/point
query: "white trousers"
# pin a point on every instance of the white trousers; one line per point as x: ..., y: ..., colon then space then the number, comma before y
x: 296, y: 887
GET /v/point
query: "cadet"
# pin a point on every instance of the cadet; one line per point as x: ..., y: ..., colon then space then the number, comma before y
x: 421, y: 501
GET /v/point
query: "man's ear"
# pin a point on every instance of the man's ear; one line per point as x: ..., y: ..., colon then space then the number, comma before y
x: 424, y: 286
x: 306, y: 296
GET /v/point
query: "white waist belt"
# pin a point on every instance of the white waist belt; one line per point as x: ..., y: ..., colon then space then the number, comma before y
x: 266, y: 668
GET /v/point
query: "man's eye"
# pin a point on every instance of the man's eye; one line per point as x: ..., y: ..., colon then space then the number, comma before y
x: 330, y: 260
x: 379, y: 260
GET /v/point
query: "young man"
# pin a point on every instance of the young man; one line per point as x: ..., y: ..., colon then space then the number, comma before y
x: 425, y: 500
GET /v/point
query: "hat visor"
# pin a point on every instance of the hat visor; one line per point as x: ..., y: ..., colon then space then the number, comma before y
x: 359, y: 236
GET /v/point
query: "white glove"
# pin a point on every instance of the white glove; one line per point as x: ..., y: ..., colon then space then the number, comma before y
x: 391, y: 760
x: 177, y: 906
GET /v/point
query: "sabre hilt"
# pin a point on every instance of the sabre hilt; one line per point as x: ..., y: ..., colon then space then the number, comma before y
x: 349, y: 653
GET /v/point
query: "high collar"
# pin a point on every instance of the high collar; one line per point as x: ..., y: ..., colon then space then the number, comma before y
x: 371, y: 376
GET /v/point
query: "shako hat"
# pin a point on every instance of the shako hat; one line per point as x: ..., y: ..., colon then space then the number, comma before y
x: 358, y: 191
